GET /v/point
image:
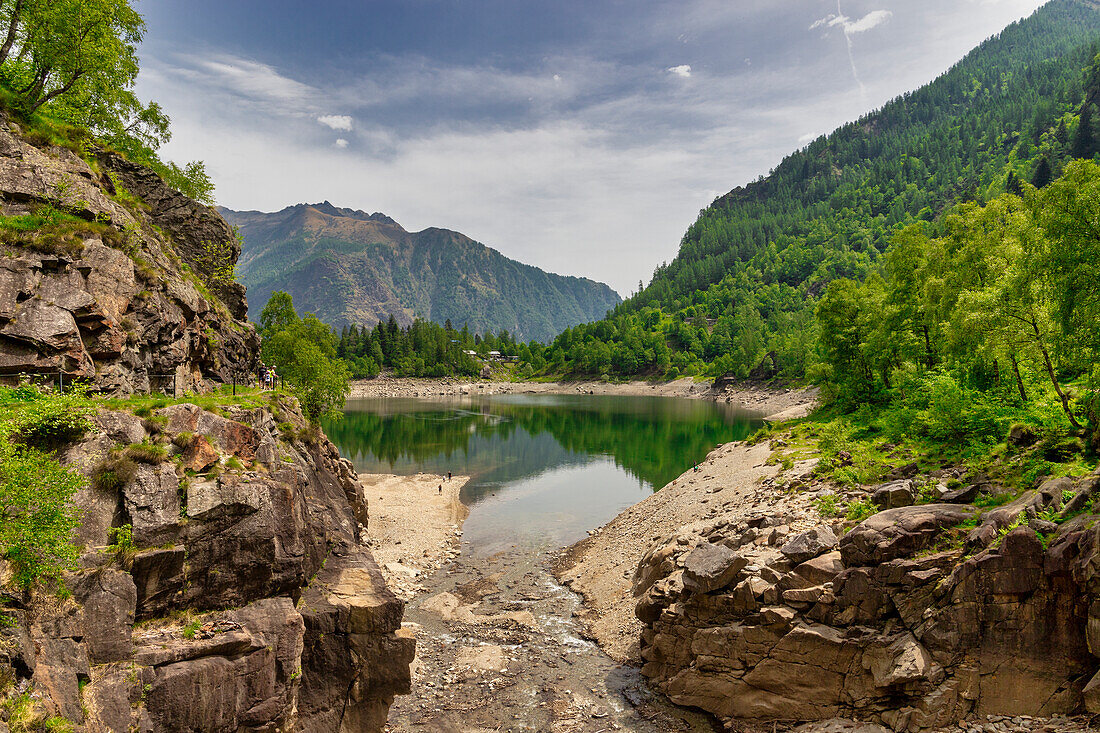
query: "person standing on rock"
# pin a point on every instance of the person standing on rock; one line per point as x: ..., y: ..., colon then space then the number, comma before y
x: 441, y: 489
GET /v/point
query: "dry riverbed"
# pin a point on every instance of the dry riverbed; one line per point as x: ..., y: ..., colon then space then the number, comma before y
x: 498, y: 646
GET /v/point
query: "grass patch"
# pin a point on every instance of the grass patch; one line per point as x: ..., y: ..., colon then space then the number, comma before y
x: 146, y: 452
x: 113, y: 473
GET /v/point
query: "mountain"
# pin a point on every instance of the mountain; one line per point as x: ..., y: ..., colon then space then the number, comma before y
x: 350, y: 267
x: 739, y: 296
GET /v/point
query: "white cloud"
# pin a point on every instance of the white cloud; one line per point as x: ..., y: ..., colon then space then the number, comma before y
x: 336, y: 122
x: 252, y: 79
x: 341, y: 142
x: 872, y: 20
x: 683, y: 70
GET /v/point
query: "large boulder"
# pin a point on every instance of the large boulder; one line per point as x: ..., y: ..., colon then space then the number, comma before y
x: 899, y: 532
x: 710, y: 567
x: 809, y: 544
x: 894, y: 494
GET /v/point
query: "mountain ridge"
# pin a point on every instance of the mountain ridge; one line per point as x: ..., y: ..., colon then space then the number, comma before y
x: 373, y: 267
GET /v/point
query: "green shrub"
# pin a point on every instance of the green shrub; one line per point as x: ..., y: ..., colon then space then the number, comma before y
x: 45, y: 421
x: 857, y: 511
x: 827, y: 506
x: 191, y: 628
x: 37, y: 514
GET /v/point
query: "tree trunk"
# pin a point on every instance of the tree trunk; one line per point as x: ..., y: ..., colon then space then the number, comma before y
x: 13, y: 28
x: 1019, y: 379
x: 55, y: 93
x: 1053, y: 377
x: 930, y: 356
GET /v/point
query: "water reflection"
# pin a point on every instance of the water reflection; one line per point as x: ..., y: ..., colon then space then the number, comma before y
x: 553, y: 465
x: 654, y: 439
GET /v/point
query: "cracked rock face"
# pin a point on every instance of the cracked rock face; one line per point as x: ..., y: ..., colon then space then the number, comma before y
x: 295, y: 628
x: 909, y: 621
x: 132, y: 305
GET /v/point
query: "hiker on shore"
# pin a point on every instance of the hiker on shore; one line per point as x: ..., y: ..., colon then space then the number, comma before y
x: 441, y: 489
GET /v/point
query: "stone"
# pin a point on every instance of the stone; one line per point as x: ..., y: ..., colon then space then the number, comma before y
x: 151, y: 502
x: 964, y: 495
x: 1091, y: 694
x: 898, y: 532
x: 894, y: 494
x: 710, y: 567
x: 109, y: 598
x: 199, y: 455
x: 809, y: 544
x: 821, y: 569
x: 902, y: 661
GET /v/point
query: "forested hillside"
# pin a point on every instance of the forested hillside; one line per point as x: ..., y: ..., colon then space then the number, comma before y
x: 741, y: 293
x: 352, y: 268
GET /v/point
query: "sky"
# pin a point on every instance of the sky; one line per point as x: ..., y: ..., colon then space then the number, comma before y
x: 579, y: 136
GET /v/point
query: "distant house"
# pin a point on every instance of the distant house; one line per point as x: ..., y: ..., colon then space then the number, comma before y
x: 470, y: 352
x: 494, y: 355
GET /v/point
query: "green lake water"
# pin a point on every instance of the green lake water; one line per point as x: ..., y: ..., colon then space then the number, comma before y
x: 544, y: 468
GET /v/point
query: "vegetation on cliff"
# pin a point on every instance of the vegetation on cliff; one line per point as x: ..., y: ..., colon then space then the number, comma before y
x: 37, y: 514
x: 67, y: 71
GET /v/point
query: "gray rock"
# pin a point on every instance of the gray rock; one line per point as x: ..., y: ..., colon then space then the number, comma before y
x: 809, y: 544
x: 898, y: 532
x: 710, y: 567
x: 894, y: 494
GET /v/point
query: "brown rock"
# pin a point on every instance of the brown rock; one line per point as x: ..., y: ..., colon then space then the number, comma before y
x: 710, y: 567
x: 898, y: 532
x: 199, y: 455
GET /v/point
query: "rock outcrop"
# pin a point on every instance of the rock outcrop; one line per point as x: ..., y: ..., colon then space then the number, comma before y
x: 248, y: 582
x: 918, y: 617
x: 243, y: 597
x: 124, y: 284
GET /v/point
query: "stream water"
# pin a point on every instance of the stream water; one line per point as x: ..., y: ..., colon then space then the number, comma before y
x: 544, y: 470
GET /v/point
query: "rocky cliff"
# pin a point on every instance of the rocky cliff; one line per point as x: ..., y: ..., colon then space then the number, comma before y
x: 245, y: 600
x: 915, y: 618
x: 224, y: 582
x: 108, y: 274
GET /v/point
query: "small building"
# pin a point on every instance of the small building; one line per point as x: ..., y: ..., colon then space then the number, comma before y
x: 494, y: 355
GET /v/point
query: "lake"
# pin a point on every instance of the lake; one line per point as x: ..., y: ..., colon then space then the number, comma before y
x: 544, y: 468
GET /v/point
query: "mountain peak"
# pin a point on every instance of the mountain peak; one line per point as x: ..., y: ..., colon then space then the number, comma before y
x: 326, y: 207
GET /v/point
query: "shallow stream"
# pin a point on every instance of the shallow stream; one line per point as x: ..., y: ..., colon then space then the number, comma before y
x: 545, y: 469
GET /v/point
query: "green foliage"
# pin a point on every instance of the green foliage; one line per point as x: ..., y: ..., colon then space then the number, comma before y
x: 37, y: 515
x: 858, y: 510
x: 740, y: 296
x: 120, y: 540
x: 422, y: 349
x: 828, y: 506
x: 42, y: 420
x: 303, y: 350
x: 191, y: 628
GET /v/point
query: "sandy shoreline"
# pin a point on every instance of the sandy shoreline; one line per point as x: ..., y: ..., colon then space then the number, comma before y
x: 774, y: 402
x: 414, y: 528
